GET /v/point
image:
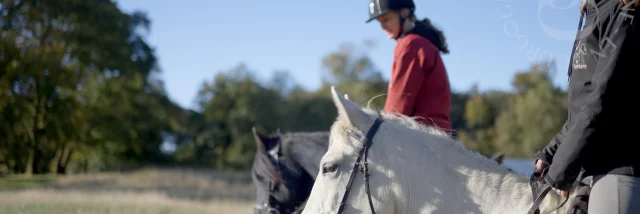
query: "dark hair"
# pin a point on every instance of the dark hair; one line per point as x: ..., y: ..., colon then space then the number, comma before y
x: 624, y: 2
x: 441, y: 43
x: 636, y: 4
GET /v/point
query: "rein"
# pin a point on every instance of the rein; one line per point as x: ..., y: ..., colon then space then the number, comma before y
x: 544, y: 188
x: 367, y: 141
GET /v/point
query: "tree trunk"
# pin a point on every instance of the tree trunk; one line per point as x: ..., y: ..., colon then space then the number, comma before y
x: 28, y: 171
x: 64, y: 160
x: 53, y: 164
x: 36, y: 160
x: 33, y: 136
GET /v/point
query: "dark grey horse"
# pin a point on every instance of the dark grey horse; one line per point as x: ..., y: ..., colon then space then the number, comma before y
x: 285, y: 167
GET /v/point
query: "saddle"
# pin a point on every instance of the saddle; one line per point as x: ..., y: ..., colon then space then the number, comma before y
x: 580, y: 202
x: 580, y: 198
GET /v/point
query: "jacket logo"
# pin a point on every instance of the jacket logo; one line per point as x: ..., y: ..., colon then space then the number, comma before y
x: 578, y: 56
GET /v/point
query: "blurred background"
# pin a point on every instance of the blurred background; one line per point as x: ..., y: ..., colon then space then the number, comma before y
x: 141, y: 106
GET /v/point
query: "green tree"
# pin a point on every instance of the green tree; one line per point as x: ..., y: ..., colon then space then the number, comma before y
x: 232, y: 104
x: 458, y: 122
x: 477, y: 112
x: 77, y: 87
x: 536, y: 112
x: 351, y: 71
x: 517, y: 123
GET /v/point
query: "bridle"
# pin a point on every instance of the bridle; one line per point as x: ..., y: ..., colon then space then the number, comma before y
x: 361, y: 162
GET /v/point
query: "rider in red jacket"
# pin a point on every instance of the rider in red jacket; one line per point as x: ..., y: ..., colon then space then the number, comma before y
x: 419, y: 86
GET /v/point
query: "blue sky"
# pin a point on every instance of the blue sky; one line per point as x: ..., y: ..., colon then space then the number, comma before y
x: 489, y: 40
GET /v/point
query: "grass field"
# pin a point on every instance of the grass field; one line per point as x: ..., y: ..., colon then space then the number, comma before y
x: 165, y: 191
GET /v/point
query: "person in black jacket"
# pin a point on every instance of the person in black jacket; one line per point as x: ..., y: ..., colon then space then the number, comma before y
x: 598, y: 138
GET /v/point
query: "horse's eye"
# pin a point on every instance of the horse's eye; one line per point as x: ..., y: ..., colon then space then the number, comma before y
x: 329, y: 168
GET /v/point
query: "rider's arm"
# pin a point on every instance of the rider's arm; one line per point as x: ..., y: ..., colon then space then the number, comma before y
x: 617, y: 47
x: 546, y: 155
x: 406, y: 78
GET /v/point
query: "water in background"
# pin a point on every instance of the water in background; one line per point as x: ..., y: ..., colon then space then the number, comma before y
x: 522, y: 166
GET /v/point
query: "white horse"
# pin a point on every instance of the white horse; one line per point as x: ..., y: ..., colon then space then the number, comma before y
x: 414, y: 170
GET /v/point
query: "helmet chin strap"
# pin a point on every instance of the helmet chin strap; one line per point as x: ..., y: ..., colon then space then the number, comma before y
x: 402, y: 20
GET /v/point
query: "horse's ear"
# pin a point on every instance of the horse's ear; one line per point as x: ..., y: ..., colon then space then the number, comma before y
x: 263, y: 142
x: 499, y: 158
x: 258, y: 137
x: 350, y: 111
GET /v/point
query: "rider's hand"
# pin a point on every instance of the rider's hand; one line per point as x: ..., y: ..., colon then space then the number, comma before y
x: 540, y: 165
x: 562, y: 192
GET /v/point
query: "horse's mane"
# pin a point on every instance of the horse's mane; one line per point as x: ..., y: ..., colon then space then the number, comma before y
x: 399, y: 119
x: 412, y: 123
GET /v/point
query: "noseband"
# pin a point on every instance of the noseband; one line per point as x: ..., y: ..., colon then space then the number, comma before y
x: 361, y: 165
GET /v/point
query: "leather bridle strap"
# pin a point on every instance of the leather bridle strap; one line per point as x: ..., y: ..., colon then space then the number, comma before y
x: 538, y: 200
x: 363, y: 153
x: 544, y: 188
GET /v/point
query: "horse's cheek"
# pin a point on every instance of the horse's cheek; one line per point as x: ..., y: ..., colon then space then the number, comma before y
x: 313, y: 203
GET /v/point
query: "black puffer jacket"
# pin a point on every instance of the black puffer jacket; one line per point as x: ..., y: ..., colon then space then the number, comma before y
x: 599, y: 135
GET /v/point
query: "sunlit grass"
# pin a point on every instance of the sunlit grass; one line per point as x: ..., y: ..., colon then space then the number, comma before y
x: 62, y: 201
x: 165, y: 191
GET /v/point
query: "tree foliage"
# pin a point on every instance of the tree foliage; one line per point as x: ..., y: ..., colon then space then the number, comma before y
x: 520, y: 122
x: 77, y: 88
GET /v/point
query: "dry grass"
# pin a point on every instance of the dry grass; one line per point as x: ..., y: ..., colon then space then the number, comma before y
x: 59, y: 201
x: 164, y: 191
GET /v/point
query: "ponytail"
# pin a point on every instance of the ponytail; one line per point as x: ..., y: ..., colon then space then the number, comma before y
x: 441, y: 42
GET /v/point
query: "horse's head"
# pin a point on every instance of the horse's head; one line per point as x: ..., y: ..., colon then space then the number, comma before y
x: 337, y: 165
x: 281, y: 185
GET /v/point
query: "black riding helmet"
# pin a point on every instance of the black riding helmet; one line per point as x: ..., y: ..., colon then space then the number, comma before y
x: 379, y: 7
